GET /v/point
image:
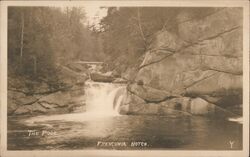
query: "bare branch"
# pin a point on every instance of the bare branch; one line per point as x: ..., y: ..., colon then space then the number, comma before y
x: 140, y: 26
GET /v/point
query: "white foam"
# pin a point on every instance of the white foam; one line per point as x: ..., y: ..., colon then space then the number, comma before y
x: 100, y: 99
x: 237, y: 120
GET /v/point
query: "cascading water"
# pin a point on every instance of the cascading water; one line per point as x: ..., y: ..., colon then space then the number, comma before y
x: 103, y: 99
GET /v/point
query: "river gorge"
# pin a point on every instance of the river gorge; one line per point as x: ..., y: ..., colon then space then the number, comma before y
x: 183, y: 92
x: 102, y: 127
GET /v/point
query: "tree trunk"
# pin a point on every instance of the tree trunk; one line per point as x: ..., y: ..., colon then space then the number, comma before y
x: 140, y: 26
x: 35, y: 65
x: 22, y: 34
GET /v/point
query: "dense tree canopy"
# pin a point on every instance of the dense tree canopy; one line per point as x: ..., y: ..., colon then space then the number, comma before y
x: 40, y: 38
x: 127, y: 31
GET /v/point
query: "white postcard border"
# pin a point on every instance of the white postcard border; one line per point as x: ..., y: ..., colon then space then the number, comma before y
x: 109, y: 153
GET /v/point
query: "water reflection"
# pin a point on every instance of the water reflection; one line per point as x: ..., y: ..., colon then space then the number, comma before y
x: 78, y: 131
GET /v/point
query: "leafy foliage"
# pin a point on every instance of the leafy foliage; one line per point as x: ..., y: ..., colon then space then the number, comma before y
x: 40, y: 38
x: 128, y: 31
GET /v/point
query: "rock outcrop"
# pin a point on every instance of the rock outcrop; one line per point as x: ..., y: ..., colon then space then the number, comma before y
x: 35, y: 96
x: 102, y: 77
x: 72, y: 100
x: 202, y: 60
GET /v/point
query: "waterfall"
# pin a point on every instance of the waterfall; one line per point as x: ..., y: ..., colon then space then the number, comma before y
x: 103, y: 99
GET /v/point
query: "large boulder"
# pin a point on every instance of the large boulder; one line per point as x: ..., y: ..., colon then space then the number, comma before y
x: 190, y: 69
x: 12, y: 106
x: 60, y: 99
x: 68, y: 101
x: 130, y: 73
x: 147, y: 93
x: 17, y: 99
x: 199, y: 106
x: 23, y: 110
x: 222, y: 20
x: 30, y: 109
x: 102, y: 77
x: 63, y: 98
x: 183, y: 106
x: 120, y: 80
x: 59, y: 93
x: 202, y: 59
x: 78, y: 67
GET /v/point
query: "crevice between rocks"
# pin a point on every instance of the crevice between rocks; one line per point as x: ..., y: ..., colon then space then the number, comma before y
x: 210, y: 14
x: 41, y: 93
x: 159, y: 101
x: 195, y: 82
x: 172, y: 52
x: 223, y: 71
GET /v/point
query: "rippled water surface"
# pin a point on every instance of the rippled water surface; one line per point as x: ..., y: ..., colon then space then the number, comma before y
x: 81, y: 131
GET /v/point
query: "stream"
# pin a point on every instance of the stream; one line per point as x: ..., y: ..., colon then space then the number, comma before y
x: 101, y: 127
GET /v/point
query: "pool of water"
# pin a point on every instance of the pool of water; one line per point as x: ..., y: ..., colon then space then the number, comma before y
x: 127, y: 132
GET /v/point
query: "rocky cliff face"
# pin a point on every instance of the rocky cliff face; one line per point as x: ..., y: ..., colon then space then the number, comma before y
x: 201, y: 61
x: 33, y: 97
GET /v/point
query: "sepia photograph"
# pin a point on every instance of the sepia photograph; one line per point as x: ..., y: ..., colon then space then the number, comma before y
x: 125, y: 78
